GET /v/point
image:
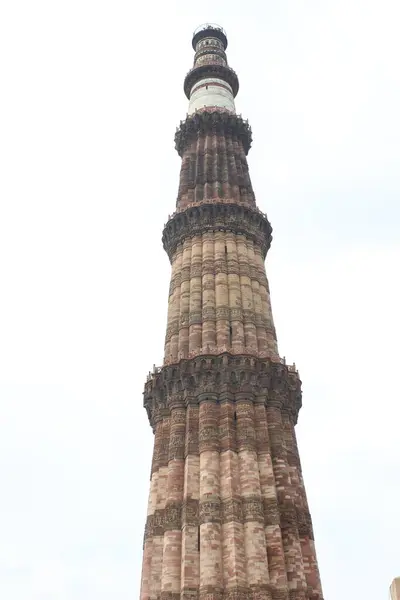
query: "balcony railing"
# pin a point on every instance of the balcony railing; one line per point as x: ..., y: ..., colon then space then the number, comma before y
x: 216, y: 201
x: 205, y: 26
x: 217, y: 351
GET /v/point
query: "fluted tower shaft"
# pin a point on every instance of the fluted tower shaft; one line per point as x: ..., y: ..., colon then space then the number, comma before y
x: 227, y: 515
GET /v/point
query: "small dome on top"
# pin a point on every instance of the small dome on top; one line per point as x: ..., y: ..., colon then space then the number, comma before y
x: 209, y: 30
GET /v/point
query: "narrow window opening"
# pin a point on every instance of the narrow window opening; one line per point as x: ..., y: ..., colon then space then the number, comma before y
x: 198, y: 539
x: 230, y: 336
x: 235, y: 416
x: 226, y: 250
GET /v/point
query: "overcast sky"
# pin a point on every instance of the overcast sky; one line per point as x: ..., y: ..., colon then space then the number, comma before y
x: 91, y: 96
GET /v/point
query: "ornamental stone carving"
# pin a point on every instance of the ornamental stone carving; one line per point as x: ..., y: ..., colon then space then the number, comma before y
x: 220, y: 375
x: 189, y: 594
x: 253, y: 509
x: 232, y: 510
x: 215, y: 216
x: 210, y: 511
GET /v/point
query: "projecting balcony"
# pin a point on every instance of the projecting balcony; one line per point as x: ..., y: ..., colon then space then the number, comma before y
x: 211, y: 71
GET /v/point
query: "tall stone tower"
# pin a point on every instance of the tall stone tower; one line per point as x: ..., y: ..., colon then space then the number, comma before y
x: 227, y: 516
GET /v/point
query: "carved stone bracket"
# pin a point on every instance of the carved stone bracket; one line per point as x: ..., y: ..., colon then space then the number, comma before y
x: 216, y: 121
x: 217, y: 217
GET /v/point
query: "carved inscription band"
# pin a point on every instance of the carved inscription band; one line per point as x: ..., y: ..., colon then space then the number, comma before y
x: 194, y: 513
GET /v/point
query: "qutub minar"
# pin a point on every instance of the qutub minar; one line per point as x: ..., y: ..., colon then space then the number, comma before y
x: 227, y: 516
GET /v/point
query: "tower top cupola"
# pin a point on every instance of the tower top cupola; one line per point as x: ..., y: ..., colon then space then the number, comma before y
x: 209, y: 30
x: 210, y: 82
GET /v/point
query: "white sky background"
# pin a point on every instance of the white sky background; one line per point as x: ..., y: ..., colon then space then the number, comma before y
x: 91, y: 95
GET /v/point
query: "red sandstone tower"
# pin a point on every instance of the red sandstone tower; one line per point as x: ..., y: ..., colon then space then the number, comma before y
x: 227, y: 516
